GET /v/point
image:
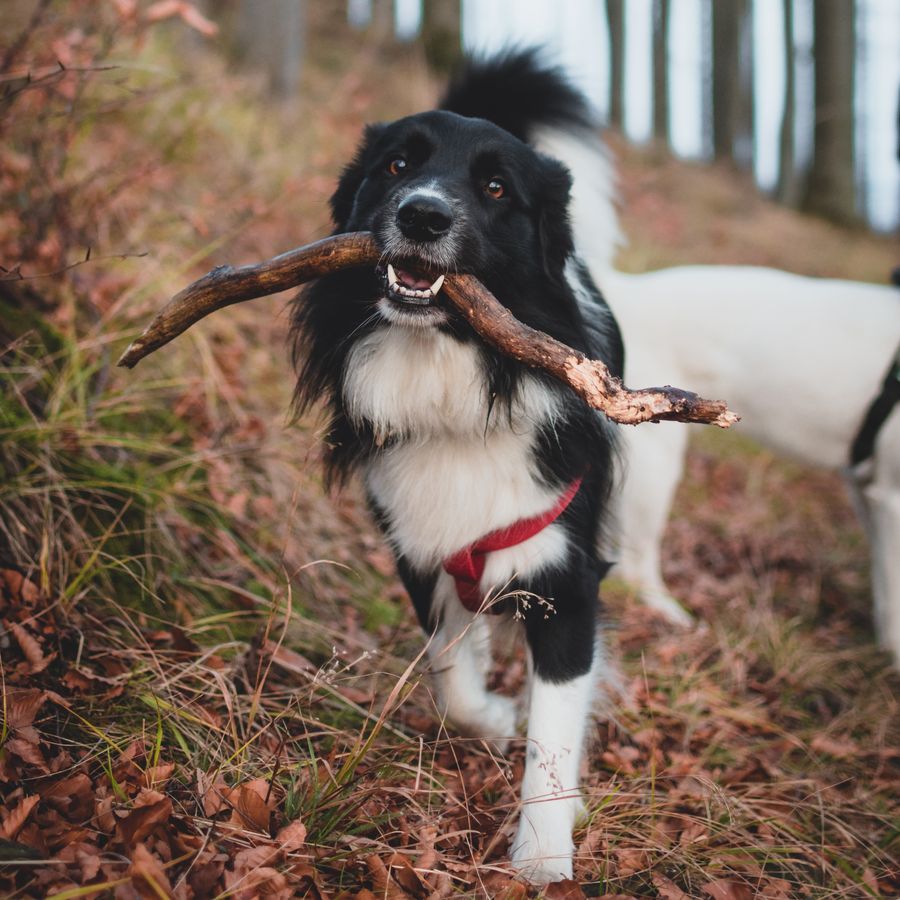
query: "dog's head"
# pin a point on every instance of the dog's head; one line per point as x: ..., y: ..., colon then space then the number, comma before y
x: 443, y: 193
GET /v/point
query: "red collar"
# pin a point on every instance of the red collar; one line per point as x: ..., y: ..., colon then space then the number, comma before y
x: 467, y: 565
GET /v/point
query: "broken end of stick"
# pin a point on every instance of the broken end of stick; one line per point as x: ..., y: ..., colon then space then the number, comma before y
x: 726, y: 419
x: 132, y: 355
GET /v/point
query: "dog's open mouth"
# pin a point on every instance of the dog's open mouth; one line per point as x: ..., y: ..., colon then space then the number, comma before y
x: 410, y: 287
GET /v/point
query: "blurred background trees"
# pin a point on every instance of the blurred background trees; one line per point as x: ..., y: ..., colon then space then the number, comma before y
x: 801, y: 92
x: 174, y: 577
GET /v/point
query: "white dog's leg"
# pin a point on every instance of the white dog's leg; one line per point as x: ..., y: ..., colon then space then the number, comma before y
x: 884, y: 515
x: 460, y: 655
x: 654, y: 460
x: 882, y: 499
x: 551, y: 800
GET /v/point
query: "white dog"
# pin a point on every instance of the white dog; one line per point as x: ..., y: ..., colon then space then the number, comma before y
x: 800, y: 359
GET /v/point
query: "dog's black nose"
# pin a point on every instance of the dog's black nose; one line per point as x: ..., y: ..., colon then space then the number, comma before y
x: 423, y: 217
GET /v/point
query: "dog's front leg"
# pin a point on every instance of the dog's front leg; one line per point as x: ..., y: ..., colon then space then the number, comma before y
x: 882, y: 500
x: 562, y: 690
x: 460, y: 654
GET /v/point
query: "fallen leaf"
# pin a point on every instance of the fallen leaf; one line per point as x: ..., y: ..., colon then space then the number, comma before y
x: 261, y: 882
x: 138, y: 824
x: 31, y: 649
x: 403, y: 873
x: 250, y: 809
x: 693, y: 833
x: 252, y: 858
x: 498, y: 886
x: 157, y: 776
x: 667, y: 888
x: 18, y: 586
x: 103, y: 814
x: 72, y: 796
x: 28, y: 752
x: 839, y: 749
x: 385, y: 887
x: 287, y: 659
x: 292, y: 836
x: 205, y: 874
x: 148, y: 876
x: 13, y: 822
x: 86, y: 855
x: 630, y: 861
x: 22, y: 706
x: 725, y: 889
x: 214, y: 796
x: 308, y: 882
x: 564, y: 890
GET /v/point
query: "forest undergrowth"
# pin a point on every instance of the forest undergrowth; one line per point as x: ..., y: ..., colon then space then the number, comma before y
x: 212, y: 682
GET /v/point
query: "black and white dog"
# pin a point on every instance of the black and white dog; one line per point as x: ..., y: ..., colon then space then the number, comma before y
x: 489, y: 480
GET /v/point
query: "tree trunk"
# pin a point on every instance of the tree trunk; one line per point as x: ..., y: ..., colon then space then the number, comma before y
x: 831, y: 189
x: 381, y: 26
x: 442, y: 34
x: 746, y: 112
x: 270, y: 36
x: 732, y: 86
x: 661, y: 9
x: 788, y: 188
x: 615, y: 14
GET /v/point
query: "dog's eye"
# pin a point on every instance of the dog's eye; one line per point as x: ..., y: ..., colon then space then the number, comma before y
x: 397, y: 166
x: 495, y: 188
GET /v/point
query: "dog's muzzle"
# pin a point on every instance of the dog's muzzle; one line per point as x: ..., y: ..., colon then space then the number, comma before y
x: 419, y: 240
x: 424, y: 217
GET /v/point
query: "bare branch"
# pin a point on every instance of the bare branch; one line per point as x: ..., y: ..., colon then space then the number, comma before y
x: 589, y: 378
x: 226, y: 285
x: 15, y: 273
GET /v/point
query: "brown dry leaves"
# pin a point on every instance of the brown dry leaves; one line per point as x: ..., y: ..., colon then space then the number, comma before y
x: 737, y: 764
x: 120, y: 822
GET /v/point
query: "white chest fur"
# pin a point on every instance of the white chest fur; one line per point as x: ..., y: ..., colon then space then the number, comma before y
x: 451, y: 476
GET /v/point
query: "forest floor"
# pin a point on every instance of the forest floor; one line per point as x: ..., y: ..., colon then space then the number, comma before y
x: 212, y: 680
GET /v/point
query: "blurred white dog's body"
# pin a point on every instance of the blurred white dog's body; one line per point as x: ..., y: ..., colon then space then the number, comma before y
x: 800, y: 359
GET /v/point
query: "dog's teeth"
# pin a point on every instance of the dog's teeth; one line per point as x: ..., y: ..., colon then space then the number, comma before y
x: 437, y: 284
x: 392, y: 275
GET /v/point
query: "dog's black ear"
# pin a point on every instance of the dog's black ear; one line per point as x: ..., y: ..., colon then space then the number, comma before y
x: 554, y: 229
x: 343, y: 198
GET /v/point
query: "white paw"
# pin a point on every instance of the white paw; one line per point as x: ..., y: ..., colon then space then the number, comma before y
x: 542, y: 857
x: 494, y: 719
x: 669, y: 608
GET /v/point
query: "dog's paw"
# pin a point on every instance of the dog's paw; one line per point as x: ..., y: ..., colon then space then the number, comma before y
x: 493, y: 720
x: 541, y: 858
x: 669, y: 608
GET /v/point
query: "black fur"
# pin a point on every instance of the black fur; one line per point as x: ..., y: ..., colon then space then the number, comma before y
x: 532, y: 94
x: 519, y: 247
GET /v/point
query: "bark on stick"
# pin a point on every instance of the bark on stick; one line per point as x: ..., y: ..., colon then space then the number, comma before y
x: 589, y: 378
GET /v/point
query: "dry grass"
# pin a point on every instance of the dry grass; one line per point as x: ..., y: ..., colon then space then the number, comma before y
x: 212, y: 680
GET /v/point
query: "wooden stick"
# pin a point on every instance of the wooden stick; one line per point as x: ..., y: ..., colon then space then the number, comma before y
x: 225, y: 285
x: 589, y: 378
